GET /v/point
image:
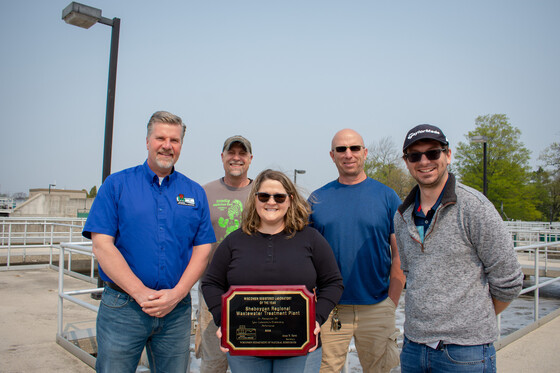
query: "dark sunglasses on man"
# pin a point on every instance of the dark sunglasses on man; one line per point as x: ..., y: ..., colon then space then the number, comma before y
x: 353, y: 148
x: 432, y: 155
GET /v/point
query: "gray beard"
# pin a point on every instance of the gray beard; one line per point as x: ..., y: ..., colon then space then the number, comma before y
x: 164, y: 165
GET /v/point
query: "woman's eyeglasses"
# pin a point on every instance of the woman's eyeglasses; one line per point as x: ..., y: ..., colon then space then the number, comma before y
x: 432, y: 155
x: 265, y: 197
x: 353, y: 148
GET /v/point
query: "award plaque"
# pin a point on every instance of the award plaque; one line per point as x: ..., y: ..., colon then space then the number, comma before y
x: 268, y: 320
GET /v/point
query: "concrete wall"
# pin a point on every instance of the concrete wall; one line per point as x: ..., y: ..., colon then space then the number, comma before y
x: 53, y: 203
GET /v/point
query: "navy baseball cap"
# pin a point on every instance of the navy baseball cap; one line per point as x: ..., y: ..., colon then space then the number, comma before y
x: 424, y: 132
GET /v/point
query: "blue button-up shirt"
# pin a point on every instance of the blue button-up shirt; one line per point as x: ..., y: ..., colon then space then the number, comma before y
x: 155, y: 226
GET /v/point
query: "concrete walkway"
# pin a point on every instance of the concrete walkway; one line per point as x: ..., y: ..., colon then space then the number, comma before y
x: 535, y: 352
x: 28, y: 322
x: 28, y: 326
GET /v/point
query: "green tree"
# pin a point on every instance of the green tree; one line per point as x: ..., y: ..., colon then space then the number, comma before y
x: 508, y: 171
x: 384, y: 164
x: 547, y: 182
x: 92, y: 192
x: 551, y: 157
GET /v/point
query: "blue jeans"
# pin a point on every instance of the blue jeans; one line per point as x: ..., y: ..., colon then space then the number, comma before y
x: 297, y: 364
x: 123, y: 330
x: 419, y: 358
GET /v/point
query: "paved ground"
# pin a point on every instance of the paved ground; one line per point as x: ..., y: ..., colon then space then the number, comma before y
x: 28, y: 329
x: 538, y: 351
x: 29, y: 321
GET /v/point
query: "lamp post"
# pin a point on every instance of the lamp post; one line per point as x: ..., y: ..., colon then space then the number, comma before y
x: 297, y: 172
x: 85, y: 16
x: 484, y: 141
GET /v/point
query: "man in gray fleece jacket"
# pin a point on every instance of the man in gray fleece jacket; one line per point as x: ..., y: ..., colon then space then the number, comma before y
x: 459, y: 261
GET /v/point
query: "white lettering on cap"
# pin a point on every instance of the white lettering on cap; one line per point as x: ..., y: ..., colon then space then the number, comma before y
x: 422, y: 131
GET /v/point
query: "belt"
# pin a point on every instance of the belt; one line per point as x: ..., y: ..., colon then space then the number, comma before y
x: 114, y: 286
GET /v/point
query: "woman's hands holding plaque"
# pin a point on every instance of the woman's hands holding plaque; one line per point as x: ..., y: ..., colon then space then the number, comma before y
x: 316, y: 332
x: 219, y: 335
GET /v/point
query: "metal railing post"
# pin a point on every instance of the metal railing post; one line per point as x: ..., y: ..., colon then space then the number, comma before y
x: 60, y: 288
x: 25, y: 240
x: 546, y: 256
x: 536, y: 295
x: 51, y: 246
x: 9, y: 244
x: 499, y: 321
x: 45, y: 233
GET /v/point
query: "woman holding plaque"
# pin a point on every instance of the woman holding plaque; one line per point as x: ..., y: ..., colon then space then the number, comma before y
x: 274, y: 247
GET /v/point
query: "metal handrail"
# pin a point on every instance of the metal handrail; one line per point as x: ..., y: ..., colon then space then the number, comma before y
x: 61, y: 337
x: 535, y: 249
x: 16, y: 235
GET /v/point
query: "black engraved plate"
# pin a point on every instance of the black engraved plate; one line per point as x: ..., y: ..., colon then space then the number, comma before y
x: 268, y: 320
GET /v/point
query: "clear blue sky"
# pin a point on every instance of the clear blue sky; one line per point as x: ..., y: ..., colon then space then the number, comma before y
x: 285, y: 74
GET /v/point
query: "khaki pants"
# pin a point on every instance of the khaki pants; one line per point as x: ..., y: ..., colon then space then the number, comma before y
x: 375, y: 335
x: 207, y: 345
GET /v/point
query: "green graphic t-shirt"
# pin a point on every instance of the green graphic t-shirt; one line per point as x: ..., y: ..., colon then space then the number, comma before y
x: 226, y: 205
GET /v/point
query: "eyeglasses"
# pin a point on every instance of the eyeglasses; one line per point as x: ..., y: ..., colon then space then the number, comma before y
x: 432, y: 155
x: 353, y: 148
x: 265, y: 197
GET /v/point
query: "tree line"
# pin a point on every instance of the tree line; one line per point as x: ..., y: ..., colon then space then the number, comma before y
x: 517, y: 191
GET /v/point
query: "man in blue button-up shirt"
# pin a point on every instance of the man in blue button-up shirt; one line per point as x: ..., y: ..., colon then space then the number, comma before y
x: 151, y: 233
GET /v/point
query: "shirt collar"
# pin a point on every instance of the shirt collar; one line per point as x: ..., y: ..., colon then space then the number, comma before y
x: 417, y: 207
x: 153, y: 178
x: 449, y: 195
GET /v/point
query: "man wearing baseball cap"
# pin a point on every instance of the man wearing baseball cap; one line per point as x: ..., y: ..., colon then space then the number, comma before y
x: 459, y: 261
x: 226, y: 198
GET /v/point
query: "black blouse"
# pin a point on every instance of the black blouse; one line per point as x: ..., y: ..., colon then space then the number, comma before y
x: 264, y: 259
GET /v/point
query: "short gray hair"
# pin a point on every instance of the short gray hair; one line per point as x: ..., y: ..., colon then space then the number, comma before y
x: 167, y: 118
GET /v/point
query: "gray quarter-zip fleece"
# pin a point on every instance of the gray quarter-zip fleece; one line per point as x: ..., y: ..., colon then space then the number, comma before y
x: 466, y: 259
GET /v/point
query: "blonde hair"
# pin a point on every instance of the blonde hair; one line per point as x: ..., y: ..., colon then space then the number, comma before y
x: 297, y: 216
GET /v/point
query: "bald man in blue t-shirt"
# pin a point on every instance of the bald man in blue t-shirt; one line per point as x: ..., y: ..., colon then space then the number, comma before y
x: 355, y: 214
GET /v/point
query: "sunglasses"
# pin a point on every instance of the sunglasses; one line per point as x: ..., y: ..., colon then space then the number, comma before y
x: 432, y: 155
x: 353, y: 148
x: 265, y: 197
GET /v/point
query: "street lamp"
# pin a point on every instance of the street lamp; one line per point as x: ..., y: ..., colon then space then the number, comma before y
x: 297, y: 172
x: 484, y: 140
x: 86, y: 16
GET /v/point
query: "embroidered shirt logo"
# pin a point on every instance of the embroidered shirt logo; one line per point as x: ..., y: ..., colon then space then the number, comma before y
x: 181, y: 200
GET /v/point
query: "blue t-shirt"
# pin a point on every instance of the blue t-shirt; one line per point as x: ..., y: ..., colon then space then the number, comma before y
x: 357, y: 221
x: 155, y: 227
